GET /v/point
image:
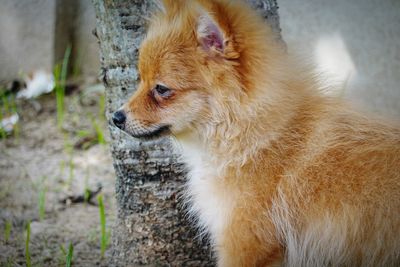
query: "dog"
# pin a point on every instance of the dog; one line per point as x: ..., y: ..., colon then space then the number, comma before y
x: 279, y: 173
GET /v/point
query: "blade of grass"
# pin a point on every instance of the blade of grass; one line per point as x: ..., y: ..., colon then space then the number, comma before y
x: 83, y: 133
x: 60, y: 74
x: 71, y: 171
x: 15, y: 111
x: 7, y: 231
x: 103, y: 240
x: 27, y: 252
x: 69, y: 255
x: 10, y: 262
x: 3, y: 113
x: 62, y: 168
x: 59, y: 89
x: 42, y: 204
x: 3, y: 133
x: 42, y: 198
x: 64, y: 68
x: 76, y: 68
x: 87, y: 191
x: 99, y: 133
x: 6, y: 103
x: 63, y: 251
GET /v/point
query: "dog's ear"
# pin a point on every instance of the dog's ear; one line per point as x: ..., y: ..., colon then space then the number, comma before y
x: 209, y: 34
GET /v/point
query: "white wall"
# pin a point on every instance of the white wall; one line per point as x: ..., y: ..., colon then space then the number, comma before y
x: 30, y: 38
x: 355, y: 39
x: 26, y: 36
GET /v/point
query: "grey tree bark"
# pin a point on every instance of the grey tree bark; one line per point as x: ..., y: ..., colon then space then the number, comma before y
x: 151, y: 228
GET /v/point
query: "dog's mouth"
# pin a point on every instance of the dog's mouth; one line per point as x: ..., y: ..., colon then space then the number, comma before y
x: 158, y: 132
x: 148, y: 134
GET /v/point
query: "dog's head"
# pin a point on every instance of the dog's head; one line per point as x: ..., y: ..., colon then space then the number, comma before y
x: 197, y: 56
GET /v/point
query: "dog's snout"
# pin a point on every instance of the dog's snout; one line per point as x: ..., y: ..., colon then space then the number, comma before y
x: 119, y: 119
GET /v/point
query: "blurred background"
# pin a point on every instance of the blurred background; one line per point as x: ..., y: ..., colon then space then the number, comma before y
x: 354, y: 44
x: 56, y: 174
x: 34, y: 34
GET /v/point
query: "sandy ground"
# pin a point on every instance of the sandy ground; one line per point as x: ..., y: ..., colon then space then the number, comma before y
x: 42, y: 158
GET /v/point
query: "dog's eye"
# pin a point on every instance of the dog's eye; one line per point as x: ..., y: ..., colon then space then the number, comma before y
x: 163, y: 91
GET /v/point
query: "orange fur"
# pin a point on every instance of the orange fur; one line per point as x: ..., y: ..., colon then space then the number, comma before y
x: 279, y: 174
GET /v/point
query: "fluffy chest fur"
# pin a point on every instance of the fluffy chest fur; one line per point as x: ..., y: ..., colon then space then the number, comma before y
x: 210, y: 201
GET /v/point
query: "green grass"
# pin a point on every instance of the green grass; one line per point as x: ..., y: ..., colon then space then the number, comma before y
x: 63, y: 251
x: 42, y: 204
x: 60, y: 76
x: 92, y: 236
x: 95, y: 135
x: 67, y: 256
x: 3, y: 114
x: 6, y: 103
x: 15, y: 111
x: 87, y: 191
x: 8, y: 107
x: 86, y: 195
x: 62, y: 256
x: 68, y: 262
x: 27, y: 240
x: 10, y: 262
x: 62, y: 168
x: 59, y: 90
x: 3, y: 133
x: 41, y: 187
x: 71, y: 171
x: 83, y: 133
x: 76, y: 68
x: 7, y: 231
x: 103, y: 233
x: 99, y: 133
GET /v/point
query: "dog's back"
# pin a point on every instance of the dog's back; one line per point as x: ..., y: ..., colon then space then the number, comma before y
x: 338, y: 203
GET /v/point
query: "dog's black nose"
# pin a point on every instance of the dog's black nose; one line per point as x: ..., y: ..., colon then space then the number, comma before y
x: 119, y: 119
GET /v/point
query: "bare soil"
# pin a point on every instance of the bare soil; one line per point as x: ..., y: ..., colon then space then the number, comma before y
x: 45, y: 160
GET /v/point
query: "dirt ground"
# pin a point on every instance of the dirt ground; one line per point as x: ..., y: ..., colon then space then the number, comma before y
x: 43, y: 165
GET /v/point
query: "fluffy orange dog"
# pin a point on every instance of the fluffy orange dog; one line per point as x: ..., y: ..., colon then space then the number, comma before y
x: 278, y: 173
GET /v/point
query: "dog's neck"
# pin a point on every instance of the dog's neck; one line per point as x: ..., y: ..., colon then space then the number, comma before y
x: 239, y: 131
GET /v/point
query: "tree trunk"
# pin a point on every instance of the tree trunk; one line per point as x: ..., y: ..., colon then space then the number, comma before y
x: 151, y: 228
